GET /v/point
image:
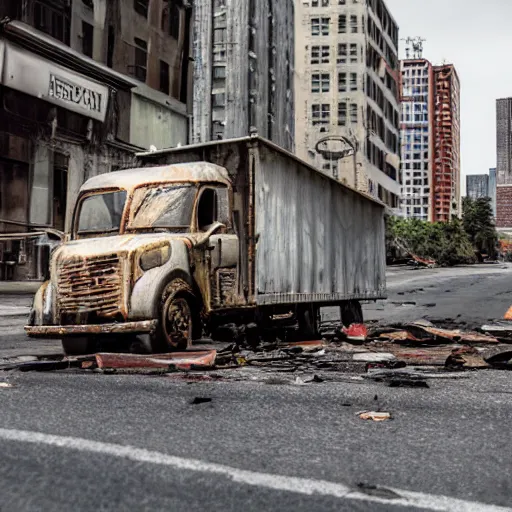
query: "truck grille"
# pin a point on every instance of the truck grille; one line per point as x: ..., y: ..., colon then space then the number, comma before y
x: 90, y: 285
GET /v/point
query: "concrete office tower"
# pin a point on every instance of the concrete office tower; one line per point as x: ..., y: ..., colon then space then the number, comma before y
x: 347, y: 93
x: 504, y: 163
x: 430, y: 135
x: 243, y: 70
x: 477, y: 186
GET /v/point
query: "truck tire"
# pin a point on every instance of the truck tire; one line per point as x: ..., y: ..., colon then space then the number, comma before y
x: 351, y: 312
x: 307, y: 316
x: 179, y: 322
x: 78, y: 346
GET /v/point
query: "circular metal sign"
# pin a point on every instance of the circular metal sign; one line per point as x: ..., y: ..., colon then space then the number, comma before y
x: 335, y: 147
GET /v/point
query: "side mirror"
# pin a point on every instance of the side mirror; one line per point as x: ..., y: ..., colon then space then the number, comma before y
x: 204, y: 237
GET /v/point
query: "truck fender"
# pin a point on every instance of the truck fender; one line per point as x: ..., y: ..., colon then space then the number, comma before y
x: 43, y: 305
x: 147, y: 292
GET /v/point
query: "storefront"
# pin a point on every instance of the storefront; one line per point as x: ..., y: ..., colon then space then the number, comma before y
x: 63, y: 119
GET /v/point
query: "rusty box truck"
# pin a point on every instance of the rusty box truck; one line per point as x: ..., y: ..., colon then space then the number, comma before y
x: 235, y: 227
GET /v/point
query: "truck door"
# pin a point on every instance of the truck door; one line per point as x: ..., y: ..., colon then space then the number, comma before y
x: 221, y: 257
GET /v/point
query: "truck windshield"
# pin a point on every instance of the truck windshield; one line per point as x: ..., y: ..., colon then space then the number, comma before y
x: 164, y: 206
x: 101, y: 213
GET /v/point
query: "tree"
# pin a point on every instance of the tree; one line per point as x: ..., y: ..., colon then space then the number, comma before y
x: 478, y: 223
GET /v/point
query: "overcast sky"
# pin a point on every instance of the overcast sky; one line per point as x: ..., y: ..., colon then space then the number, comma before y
x: 476, y: 37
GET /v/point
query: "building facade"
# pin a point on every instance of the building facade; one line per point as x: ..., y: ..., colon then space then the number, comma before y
x: 446, y: 200
x: 68, y: 114
x: 243, y: 70
x: 477, y: 186
x: 417, y: 136
x: 504, y: 163
x: 430, y: 140
x: 347, y: 104
x: 492, y: 189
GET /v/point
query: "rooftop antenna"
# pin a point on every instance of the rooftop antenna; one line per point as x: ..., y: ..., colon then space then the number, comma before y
x: 414, y: 47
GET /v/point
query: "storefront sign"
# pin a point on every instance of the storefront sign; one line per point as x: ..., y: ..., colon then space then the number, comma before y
x: 56, y: 84
x: 65, y: 90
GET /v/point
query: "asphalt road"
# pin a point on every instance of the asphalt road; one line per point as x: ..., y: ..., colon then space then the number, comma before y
x: 75, y: 441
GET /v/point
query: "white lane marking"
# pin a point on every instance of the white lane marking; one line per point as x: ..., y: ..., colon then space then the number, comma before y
x: 276, y: 482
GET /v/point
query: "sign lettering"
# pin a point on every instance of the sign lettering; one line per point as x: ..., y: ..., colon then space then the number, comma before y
x: 67, y: 91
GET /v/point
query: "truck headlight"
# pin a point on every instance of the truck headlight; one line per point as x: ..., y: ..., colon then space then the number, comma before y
x: 155, y: 257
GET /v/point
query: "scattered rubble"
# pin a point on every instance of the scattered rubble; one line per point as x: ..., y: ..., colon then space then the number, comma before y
x: 374, y: 416
x: 399, y: 356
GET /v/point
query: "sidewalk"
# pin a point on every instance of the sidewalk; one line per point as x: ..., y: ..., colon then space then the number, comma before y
x: 19, y: 287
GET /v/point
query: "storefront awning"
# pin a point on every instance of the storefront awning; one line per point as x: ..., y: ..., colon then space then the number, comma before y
x: 48, y: 47
x: 31, y: 74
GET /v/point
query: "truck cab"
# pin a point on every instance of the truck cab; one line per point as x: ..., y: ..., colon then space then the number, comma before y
x: 151, y: 251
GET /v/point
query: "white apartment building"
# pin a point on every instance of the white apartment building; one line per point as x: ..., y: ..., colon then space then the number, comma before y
x: 417, y: 137
x: 347, y: 76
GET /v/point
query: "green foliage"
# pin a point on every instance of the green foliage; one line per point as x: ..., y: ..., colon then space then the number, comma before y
x: 446, y: 243
x: 450, y: 243
x: 479, y: 224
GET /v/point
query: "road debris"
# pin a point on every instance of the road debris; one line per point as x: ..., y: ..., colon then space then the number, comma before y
x: 176, y: 360
x: 6, y: 385
x: 355, y: 332
x: 374, y: 416
x: 374, y: 357
x: 466, y: 357
x: 200, y: 400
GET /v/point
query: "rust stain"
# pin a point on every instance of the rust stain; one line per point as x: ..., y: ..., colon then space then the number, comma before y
x: 57, y: 331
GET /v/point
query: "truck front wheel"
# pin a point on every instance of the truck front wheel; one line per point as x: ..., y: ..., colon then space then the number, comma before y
x: 179, y: 322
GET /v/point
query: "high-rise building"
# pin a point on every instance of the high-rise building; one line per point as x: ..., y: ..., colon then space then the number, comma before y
x: 504, y: 163
x: 347, y: 109
x: 492, y: 189
x: 243, y: 70
x: 446, y: 173
x: 477, y: 186
x: 417, y: 136
x: 430, y: 136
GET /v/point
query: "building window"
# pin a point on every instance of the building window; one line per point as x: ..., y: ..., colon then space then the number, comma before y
x: 342, y: 82
x: 342, y: 53
x: 353, y: 113
x: 164, y: 77
x: 110, y: 46
x: 322, y: 3
x: 141, y: 56
x: 341, y: 2
x: 320, y: 82
x: 342, y: 24
x: 219, y: 99
x: 353, y: 24
x: 353, y: 53
x: 174, y: 21
x: 219, y: 72
x: 342, y: 114
x: 320, y: 55
x: 141, y: 6
x: 87, y: 39
x: 321, y: 114
x: 320, y: 26
x: 52, y: 21
x: 353, y: 81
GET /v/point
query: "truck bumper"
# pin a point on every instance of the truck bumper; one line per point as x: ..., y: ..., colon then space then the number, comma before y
x: 61, y: 331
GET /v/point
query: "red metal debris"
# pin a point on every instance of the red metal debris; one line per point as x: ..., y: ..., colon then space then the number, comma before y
x: 178, y: 360
x: 356, y: 332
